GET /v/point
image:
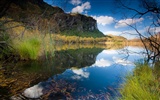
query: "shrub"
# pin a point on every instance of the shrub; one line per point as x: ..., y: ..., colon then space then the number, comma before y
x: 28, y: 48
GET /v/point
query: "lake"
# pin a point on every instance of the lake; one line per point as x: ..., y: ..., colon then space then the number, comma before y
x: 76, y: 73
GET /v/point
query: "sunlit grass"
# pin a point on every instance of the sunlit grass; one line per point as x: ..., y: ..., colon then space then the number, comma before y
x: 77, y: 39
x: 28, y: 48
x: 142, y: 85
x: 34, y: 46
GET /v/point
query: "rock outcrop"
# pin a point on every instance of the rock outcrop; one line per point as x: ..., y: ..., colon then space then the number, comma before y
x: 38, y: 14
x: 75, y: 21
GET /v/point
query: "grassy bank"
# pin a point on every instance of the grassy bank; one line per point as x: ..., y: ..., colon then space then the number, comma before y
x: 144, y: 84
x: 77, y: 39
x: 33, y: 46
x: 28, y: 48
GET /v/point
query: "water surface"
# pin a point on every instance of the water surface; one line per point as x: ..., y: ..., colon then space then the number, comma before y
x: 86, y: 73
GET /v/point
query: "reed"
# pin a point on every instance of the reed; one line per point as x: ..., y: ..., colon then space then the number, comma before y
x: 142, y: 85
x: 28, y: 48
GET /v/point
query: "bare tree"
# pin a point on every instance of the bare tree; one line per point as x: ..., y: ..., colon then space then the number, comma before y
x: 151, y: 37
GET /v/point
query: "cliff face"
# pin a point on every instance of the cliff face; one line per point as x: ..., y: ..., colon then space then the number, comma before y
x: 38, y: 14
x: 75, y: 21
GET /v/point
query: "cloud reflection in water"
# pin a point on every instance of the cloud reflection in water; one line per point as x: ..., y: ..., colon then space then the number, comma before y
x: 103, y: 73
x: 80, y: 73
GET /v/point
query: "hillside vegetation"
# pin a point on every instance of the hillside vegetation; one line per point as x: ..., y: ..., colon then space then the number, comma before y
x: 24, y: 24
x: 36, y: 14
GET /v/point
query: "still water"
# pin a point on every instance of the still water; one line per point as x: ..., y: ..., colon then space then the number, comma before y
x: 78, y: 72
x: 85, y: 73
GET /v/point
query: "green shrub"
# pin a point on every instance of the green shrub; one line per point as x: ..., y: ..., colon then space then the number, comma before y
x: 74, y: 32
x: 142, y: 85
x: 28, y: 48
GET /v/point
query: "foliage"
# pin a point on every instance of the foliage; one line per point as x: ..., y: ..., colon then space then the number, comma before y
x: 142, y: 85
x: 28, y: 48
x: 4, y: 44
x: 73, y: 32
x: 77, y: 39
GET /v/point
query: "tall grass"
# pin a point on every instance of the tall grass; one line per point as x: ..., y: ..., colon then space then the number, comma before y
x: 142, y: 85
x: 48, y: 46
x: 28, y: 48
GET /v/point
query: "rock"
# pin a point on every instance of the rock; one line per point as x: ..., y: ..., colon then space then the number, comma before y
x: 37, y: 14
x: 75, y: 21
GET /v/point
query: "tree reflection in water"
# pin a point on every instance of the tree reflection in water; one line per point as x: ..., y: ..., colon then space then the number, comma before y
x: 97, y: 79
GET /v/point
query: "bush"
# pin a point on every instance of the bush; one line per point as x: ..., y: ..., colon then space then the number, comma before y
x: 28, y: 48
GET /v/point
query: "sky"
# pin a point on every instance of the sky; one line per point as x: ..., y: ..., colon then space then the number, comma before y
x: 110, y: 17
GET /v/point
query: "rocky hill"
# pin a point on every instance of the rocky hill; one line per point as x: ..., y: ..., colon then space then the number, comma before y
x: 36, y: 14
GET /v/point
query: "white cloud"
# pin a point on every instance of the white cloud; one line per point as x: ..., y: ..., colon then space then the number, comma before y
x: 126, y: 22
x: 113, y: 33
x: 75, y: 2
x: 153, y: 30
x: 122, y: 61
x: 33, y: 92
x: 157, y: 29
x: 80, y: 74
x: 102, y: 63
x: 132, y: 49
x: 129, y: 34
x: 109, y: 52
x: 104, y: 20
x: 82, y: 8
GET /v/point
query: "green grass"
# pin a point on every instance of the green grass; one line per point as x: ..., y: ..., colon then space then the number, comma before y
x: 94, y: 34
x: 28, y: 48
x: 142, y: 85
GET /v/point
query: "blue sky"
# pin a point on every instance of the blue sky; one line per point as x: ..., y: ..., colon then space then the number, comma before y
x: 110, y: 18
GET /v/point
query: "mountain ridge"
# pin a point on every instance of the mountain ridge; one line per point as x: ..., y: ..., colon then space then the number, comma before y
x: 36, y: 14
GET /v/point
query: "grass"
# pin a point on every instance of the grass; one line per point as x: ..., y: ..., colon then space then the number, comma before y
x: 34, y: 46
x: 73, y: 32
x: 28, y: 48
x: 142, y: 85
x: 48, y: 46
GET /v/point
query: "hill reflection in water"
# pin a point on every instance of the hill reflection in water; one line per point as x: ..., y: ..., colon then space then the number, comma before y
x: 86, y: 74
